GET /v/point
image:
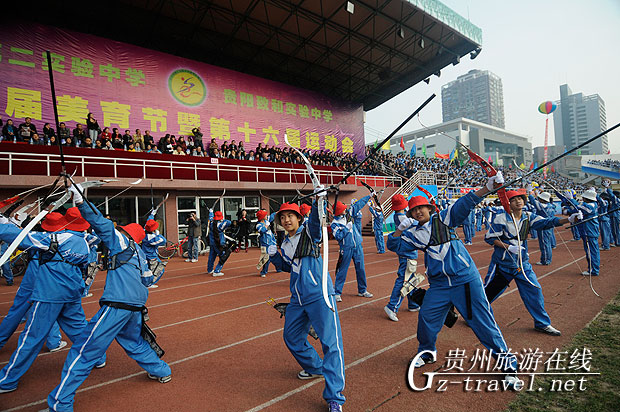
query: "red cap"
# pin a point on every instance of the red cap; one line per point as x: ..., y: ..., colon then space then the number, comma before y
x: 289, y: 206
x: 261, y: 214
x: 513, y: 193
x: 75, y: 221
x: 135, y: 231
x: 399, y: 202
x: 218, y: 216
x: 339, y: 208
x: 416, y: 201
x: 151, y: 225
x: 54, y: 222
x: 305, y: 209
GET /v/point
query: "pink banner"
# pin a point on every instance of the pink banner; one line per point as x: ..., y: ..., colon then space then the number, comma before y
x: 132, y: 88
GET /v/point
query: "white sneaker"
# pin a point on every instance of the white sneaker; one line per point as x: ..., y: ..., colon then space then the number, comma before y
x: 216, y: 274
x: 303, y: 375
x: 366, y: 294
x: 513, y: 383
x: 101, y: 365
x: 188, y: 260
x: 390, y: 314
x: 338, y: 298
x: 426, y: 358
x: 549, y: 330
x: 89, y: 295
x: 153, y: 286
x: 161, y: 379
x: 59, y: 347
x: 194, y: 260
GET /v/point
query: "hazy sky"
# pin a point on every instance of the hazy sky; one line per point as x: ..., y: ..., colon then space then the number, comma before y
x: 534, y: 47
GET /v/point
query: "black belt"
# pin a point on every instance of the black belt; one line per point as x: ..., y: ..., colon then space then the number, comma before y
x: 121, y: 305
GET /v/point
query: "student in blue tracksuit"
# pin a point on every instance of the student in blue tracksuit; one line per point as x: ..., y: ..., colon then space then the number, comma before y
x: 603, y: 220
x: 349, y: 237
x: 589, y: 231
x: 406, y: 267
x: 301, y: 256
x: 56, y: 295
x: 377, y: 227
x: 452, y: 275
x: 265, y: 239
x: 468, y: 228
x: 614, y: 217
x: 151, y: 242
x: 510, y: 257
x: 478, y: 214
x: 120, y: 315
x: 542, y: 206
x: 217, y: 242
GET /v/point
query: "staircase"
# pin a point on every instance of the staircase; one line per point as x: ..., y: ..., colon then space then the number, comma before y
x: 422, y: 177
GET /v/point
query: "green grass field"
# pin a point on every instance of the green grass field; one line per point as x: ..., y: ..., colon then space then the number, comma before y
x: 598, y: 393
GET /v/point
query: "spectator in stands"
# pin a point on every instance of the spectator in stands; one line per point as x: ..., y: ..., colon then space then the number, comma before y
x: 9, y: 131
x: 63, y: 132
x: 224, y: 150
x: 87, y: 143
x: 26, y: 130
x: 198, y: 138
x: 166, y: 145
x: 173, y: 141
x: 131, y: 148
x: 148, y: 139
x: 241, y: 150
x: 108, y: 145
x: 216, y: 153
x: 98, y: 144
x: 117, y: 139
x: 52, y: 141
x: 250, y: 156
x: 212, y: 148
x: 47, y: 132
x: 152, y: 149
x: 69, y: 142
x: 138, y: 140
x: 198, y: 151
x: 105, y: 136
x: 93, y: 127
x: 79, y: 135
x: 128, y: 139
x: 178, y: 151
x: 36, y: 140
x: 181, y: 142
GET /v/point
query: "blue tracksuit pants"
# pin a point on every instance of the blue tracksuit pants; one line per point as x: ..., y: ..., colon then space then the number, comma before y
x: 437, y: 303
x: 379, y: 241
x: 357, y: 254
x: 16, y: 313
x: 593, y: 254
x: 575, y: 231
x: 327, y: 325
x: 531, y: 296
x: 468, y: 232
x: 41, y: 318
x: 534, y: 233
x: 605, y: 229
x: 108, y: 324
x: 212, y: 255
x: 396, y: 299
x: 544, y: 242
x: 554, y: 243
x: 615, y: 230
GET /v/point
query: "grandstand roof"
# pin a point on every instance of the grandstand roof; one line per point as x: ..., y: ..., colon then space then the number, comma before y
x: 367, y: 56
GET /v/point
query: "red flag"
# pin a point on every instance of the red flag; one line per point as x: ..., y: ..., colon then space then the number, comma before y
x: 609, y: 152
x: 553, y: 169
x: 532, y: 166
x: 490, y: 160
x: 442, y: 156
x: 402, y: 144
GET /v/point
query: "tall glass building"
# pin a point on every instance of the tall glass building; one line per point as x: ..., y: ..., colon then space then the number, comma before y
x: 578, y: 118
x: 477, y: 95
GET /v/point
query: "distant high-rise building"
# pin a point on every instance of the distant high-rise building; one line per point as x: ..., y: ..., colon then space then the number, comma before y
x: 579, y: 118
x: 477, y: 95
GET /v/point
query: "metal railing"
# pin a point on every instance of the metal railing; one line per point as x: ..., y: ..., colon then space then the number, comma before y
x: 422, y: 177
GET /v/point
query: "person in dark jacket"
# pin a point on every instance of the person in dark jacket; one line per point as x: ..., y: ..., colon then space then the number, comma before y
x: 193, y: 237
x: 9, y: 131
x: 243, y: 236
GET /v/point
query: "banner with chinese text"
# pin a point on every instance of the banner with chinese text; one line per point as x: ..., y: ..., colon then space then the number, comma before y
x: 129, y: 87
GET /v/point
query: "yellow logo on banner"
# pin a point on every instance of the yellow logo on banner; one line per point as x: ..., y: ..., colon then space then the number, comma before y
x: 187, y: 87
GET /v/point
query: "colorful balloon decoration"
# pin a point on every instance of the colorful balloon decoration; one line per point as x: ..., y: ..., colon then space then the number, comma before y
x: 547, y: 107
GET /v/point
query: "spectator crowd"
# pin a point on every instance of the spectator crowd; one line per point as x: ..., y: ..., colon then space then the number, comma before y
x: 611, y: 163
x: 460, y: 173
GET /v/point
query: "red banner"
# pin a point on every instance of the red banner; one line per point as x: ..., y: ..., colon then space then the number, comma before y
x: 132, y: 88
x: 442, y: 156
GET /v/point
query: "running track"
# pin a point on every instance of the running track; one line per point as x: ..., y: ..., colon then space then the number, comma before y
x: 224, y: 343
